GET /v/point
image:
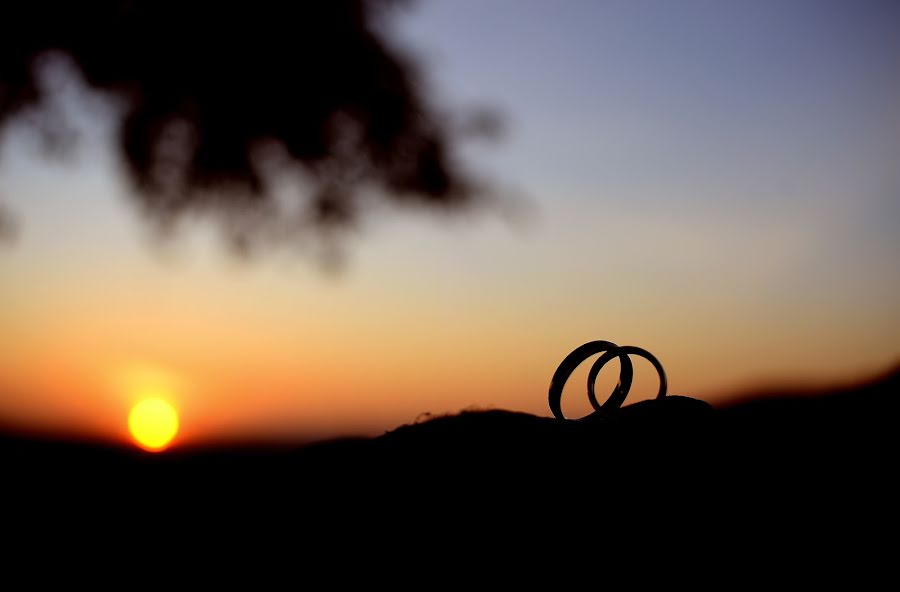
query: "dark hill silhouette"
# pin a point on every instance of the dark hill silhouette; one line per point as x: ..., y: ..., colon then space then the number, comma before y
x: 798, y: 440
x: 656, y: 482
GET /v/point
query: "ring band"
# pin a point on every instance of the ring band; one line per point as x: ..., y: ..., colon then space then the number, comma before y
x: 574, y: 359
x: 618, y: 397
x: 609, y: 350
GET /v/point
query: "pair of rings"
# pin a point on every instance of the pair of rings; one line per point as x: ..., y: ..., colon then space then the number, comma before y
x: 626, y: 374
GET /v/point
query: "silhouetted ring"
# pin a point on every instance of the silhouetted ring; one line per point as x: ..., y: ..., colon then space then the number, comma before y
x: 618, y: 396
x: 580, y: 354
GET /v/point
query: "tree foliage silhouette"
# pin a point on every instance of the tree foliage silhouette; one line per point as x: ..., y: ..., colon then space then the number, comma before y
x: 220, y: 97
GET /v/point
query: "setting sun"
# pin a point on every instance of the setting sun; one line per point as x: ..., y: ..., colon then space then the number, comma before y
x: 153, y: 423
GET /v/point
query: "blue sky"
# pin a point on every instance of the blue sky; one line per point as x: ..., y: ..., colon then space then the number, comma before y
x: 604, y: 95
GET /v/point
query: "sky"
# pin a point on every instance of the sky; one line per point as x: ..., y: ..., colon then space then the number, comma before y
x: 716, y: 182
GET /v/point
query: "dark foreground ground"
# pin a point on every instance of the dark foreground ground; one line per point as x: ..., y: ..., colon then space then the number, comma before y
x: 764, y: 472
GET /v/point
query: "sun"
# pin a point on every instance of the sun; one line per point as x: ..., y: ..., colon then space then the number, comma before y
x: 153, y: 423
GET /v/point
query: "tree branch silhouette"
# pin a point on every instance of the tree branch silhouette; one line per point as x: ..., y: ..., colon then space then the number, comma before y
x: 222, y: 98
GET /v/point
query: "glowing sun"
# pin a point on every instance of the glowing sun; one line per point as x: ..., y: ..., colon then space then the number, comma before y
x: 153, y: 423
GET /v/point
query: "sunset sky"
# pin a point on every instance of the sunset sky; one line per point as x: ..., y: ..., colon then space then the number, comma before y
x: 717, y: 182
